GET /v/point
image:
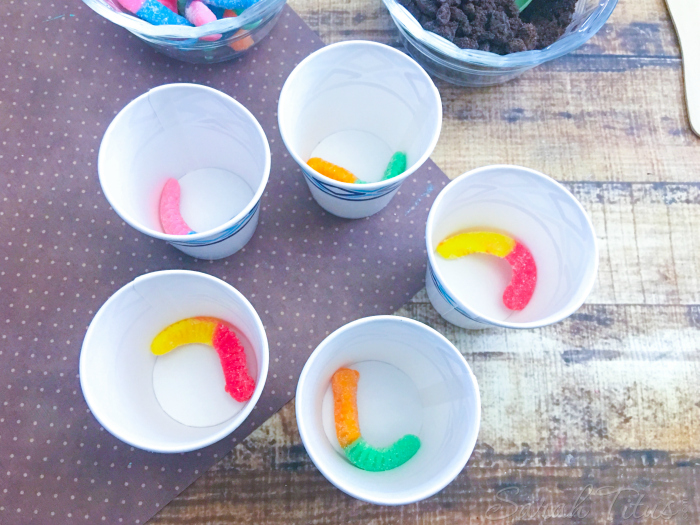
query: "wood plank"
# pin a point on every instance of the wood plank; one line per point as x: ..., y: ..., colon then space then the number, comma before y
x: 648, y: 240
x: 269, y: 479
x: 568, y: 133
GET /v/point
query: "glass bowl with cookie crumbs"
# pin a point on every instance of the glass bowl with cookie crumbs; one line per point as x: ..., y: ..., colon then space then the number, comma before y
x: 486, y: 42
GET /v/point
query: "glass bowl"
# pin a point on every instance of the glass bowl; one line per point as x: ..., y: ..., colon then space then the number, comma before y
x: 238, y: 34
x: 472, y: 67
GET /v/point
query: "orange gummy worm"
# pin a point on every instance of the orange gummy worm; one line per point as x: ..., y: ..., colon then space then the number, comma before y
x: 330, y: 170
x: 347, y: 423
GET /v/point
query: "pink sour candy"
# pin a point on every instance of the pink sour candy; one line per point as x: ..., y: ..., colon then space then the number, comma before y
x: 522, y: 285
x: 170, y: 218
x: 170, y: 4
x: 199, y: 14
x: 153, y: 12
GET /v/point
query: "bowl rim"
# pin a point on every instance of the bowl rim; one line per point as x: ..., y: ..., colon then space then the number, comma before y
x: 144, y: 29
x: 102, y: 415
x: 368, y: 186
x: 551, y: 319
x: 406, y: 23
x: 451, y: 471
x: 257, y: 195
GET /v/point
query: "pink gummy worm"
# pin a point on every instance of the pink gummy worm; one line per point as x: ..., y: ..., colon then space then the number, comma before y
x: 131, y: 5
x: 199, y: 14
x: 170, y: 218
x: 170, y: 4
x: 522, y: 285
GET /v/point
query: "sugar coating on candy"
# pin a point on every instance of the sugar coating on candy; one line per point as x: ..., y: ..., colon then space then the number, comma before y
x: 170, y: 218
x: 217, y: 333
x: 397, y: 165
x: 476, y: 242
x: 347, y: 423
x: 170, y: 4
x: 153, y: 12
x: 347, y: 428
x: 239, y: 384
x: 199, y: 14
x: 236, y: 5
x: 185, y: 332
x: 331, y: 171
x: 366, y: 457
x: 522, y: 285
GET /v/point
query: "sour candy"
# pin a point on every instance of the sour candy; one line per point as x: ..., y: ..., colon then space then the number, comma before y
x: 170, y: 218
x: 522, y: 284
x: 331, y: 170
x: 217, y: 333
x: 199, y: 14
x: 347, y: 428
x: 153, y: 12
x: 244, y: 42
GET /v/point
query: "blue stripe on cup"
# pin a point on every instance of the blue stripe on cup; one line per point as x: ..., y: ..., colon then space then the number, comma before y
x: 445, y: 295
x: 221, y: 237
x: 359, y: 194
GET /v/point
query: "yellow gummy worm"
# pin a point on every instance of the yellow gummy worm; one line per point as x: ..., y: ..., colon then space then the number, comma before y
x: 347, y: 422
x: 185, y: 332
x: 476, y: 242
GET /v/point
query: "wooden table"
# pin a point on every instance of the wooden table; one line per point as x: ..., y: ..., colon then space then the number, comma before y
x: 593, y: 420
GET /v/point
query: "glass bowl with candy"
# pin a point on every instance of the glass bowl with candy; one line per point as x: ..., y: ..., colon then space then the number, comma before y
x: 486, y: 42
x: 196, y: 31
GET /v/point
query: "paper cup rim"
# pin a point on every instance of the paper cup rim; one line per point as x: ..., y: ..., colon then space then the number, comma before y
x: 102, y: 416
x: 368, y: 185
x: 446, y: 477
x: 199, y: 235
x: 485, y: 319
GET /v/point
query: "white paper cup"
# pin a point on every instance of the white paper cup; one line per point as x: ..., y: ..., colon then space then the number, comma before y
x: 535, y: 210
x: 412, y: 380
x: 128, y: 389
x: 173, y: 130
x: 359, y: 103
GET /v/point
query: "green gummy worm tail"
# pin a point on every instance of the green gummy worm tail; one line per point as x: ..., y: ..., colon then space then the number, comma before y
x: 397, y: 165
x: 366, y: 457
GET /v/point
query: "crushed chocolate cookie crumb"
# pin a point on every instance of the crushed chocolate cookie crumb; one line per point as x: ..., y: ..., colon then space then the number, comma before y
x: 494, y: 25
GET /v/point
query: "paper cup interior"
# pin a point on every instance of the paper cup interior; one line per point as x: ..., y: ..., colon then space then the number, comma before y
x: 357, y: 103
x: 195, y: 134
x: 411, y: 381
x: 174, y: 402
x: 534, y: 210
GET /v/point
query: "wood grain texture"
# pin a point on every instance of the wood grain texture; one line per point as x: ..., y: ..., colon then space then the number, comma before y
x: 595, y: 420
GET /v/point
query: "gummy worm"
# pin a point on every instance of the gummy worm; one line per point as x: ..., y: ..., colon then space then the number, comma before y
x: 347, y: 428
x: 217, y: 333
x: 522, y: 284
x: 170, y: 218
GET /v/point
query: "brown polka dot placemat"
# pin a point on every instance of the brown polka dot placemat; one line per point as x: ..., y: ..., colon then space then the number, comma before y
x: 63, y: 252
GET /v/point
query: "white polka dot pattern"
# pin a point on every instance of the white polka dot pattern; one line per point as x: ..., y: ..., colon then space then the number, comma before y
x: 67, y: 73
